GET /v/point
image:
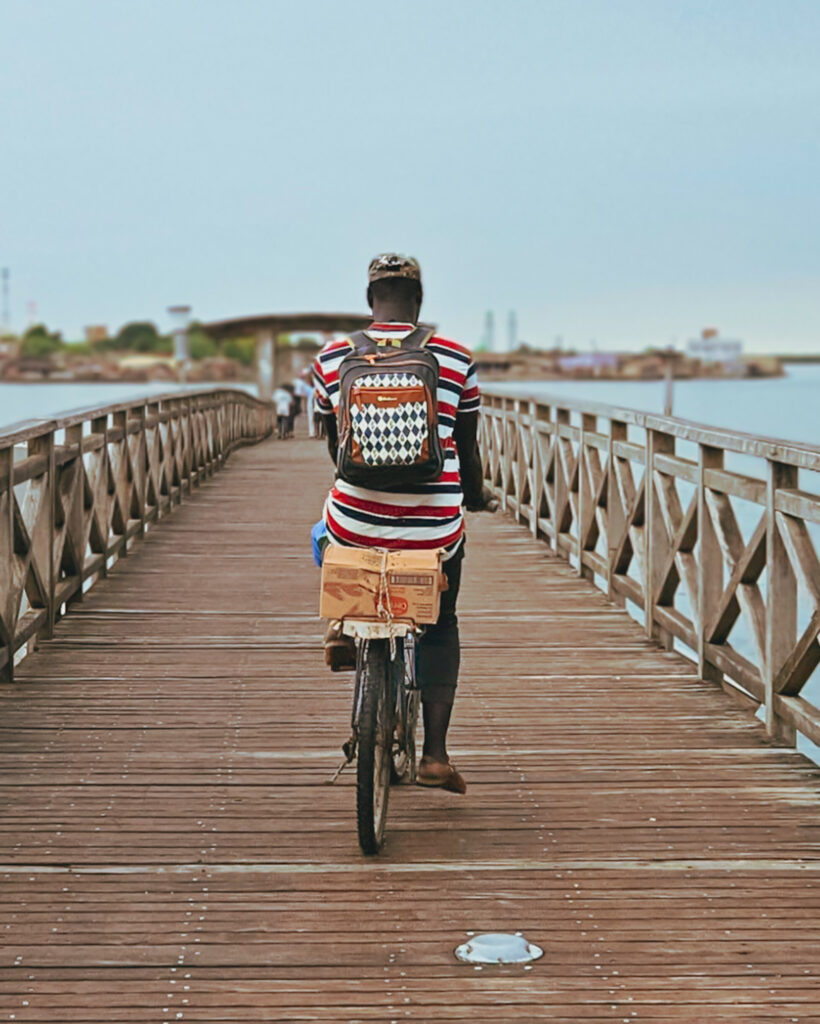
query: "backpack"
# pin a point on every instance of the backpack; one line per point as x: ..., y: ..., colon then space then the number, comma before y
x: 388, y: 414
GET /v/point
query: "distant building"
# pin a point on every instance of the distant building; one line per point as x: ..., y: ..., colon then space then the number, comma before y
x: 9, y: 346
x: 488, y: 338
x: 590, y: 364
x: 95, y: 333
x: 643, y: 366
x: 512, y: 331
x: 712, y: 347
x: 493, y: 362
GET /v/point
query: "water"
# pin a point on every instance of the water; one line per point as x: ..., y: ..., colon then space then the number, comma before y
x: 786, y: 407
x: 782, y: 407
x: 44, y: 401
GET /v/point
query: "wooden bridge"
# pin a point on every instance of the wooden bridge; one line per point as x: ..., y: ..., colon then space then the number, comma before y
x: 171, y: 849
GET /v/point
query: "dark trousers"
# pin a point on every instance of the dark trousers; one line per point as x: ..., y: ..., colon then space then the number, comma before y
x: 438, y: 653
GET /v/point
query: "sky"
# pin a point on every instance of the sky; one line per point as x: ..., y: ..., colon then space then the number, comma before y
x: 621, y: 174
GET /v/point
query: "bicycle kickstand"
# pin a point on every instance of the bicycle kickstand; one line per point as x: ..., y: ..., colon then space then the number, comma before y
x: 349, y: 749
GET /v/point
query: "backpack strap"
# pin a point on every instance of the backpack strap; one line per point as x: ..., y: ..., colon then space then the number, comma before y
x: 360, y: 341
x: 419, y: 338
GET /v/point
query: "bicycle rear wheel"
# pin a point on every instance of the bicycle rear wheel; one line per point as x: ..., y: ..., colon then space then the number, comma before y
x: 375, y: 738
x: 407, y: 701
x: 404, y: 739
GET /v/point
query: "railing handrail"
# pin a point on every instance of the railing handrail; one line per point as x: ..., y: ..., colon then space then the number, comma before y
x: 25, y: 430
x: 794, y: 453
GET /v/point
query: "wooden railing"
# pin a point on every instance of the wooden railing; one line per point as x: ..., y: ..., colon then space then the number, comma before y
x: 710, y: 534
x: 76, y: 492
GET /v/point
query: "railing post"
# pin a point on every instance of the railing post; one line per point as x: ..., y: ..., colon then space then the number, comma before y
x: 45, y: 445
x: 120, y: 422
x: 585, y: 496
x: 186, y: 423
x: 657, y: 543
x: 152, y: 458
x: 518, y: 468
x: 709, y: 565
x: 75, y: 514
x: 562, y: 484
x: 487, y: 428
x: 503, y: 454
x: 139, y: 466
x: 547, y: 416
x: 535, y: 469
x: 172, y: 432
x: 100, y: 426
x: 781, y: 600
x: 6, y: 556
x: 615, y: 518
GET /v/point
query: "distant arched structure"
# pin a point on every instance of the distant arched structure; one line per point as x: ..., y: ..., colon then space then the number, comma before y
x: 268, y: 326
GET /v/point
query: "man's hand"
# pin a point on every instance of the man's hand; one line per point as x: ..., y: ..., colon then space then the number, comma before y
x: 488, y: 503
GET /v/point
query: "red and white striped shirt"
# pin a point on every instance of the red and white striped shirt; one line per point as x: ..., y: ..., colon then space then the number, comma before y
x: 428, y: 515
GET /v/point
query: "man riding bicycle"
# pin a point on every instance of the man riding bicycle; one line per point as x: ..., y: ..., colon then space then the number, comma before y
x: 425, y: 515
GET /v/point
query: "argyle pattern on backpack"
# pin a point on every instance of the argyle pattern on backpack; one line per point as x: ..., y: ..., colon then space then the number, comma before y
x: 393, y: 435
x: 389, y: 380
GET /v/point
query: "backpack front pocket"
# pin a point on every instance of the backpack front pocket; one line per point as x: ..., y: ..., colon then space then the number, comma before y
x: 389, y: 420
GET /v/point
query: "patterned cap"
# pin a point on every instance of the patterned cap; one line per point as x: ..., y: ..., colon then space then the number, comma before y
x: 391, y: 264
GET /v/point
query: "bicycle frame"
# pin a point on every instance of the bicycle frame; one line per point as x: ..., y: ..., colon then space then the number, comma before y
x: 363, y: 632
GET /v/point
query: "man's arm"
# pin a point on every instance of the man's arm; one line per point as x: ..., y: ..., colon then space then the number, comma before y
x: 332, y: 428
x: 323, y: 405
x: 477, y: 497
x: 465, y: 434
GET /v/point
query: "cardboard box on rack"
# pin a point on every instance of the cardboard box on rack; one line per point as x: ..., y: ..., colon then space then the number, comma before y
x: 353, y: 577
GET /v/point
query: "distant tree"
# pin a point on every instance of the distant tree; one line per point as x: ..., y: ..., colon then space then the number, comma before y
x: 200, y: 344
x: 243, y: 350
x: 79, y: 348
x: 39, y: 342
x: 141, y: 336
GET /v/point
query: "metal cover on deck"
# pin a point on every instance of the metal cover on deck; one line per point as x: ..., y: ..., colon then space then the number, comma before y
x: 498, y: 948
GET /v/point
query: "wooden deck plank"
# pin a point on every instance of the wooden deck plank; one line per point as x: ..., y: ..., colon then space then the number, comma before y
x: 170, y: 848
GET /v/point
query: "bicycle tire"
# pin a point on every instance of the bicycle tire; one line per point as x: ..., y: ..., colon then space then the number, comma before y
x: 375, y: 737
x: 399, y: 763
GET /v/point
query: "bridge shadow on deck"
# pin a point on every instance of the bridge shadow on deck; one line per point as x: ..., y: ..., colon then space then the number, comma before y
x: 171, y: 849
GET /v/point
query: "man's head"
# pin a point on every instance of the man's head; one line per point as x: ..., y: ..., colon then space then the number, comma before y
x: 394, y: 283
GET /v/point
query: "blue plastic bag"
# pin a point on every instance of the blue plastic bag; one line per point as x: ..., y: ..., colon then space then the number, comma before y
x: 319, y: 541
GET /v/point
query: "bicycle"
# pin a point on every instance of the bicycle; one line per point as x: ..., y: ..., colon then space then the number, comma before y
x: 385, y: 712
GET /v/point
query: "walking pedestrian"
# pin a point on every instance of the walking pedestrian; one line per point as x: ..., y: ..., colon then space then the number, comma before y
x: 304, y: 390
x: 282, y: 399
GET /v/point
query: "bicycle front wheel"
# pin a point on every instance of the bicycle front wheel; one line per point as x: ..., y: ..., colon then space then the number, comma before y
x: 375, y: 740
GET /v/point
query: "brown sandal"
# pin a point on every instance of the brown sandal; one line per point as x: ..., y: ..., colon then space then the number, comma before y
x: 440, y: 776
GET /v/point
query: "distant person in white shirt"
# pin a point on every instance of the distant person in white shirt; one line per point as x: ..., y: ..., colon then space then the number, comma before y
x: 302, y: 387
x: 283, y: 400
